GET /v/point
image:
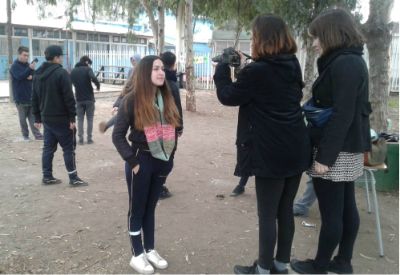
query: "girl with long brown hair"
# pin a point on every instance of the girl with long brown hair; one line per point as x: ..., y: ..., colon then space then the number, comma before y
x: 150, y: 112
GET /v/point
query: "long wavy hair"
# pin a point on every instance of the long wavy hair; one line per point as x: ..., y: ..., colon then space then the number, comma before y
x: 141, y: 90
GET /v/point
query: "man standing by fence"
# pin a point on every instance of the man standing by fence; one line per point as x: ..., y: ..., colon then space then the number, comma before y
x: 21, y: 74
x: 53, y: 104
x: 82, y: 77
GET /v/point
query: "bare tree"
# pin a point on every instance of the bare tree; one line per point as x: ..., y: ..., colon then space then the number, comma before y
x: 10, y: 49
x: 189, y: 69
x: 377, y: 31
x: 161, y: 25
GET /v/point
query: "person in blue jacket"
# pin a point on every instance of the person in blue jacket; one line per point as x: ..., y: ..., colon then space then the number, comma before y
x: 21, y: 76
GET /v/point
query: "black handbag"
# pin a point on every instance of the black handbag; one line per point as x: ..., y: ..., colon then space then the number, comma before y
x: 316, y: 116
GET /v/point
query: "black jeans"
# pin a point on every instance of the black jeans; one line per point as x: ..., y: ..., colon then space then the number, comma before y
x: 24, y: 113
x: 339, y: 220
x: 144, y: 191
x: 275, y: 204
x: 55, y: 133
x: 82, y: 108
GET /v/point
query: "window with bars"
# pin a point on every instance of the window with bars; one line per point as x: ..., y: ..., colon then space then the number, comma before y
x: 81, y: 36
x: 20, y: 31
x: 39, y: 45
x: 2, y: 30
x: 104, y: 38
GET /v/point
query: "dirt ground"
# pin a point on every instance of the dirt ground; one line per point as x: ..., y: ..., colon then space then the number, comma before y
x: 58, y: 229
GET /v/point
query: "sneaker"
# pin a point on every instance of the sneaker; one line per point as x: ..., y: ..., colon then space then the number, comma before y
x: 274, y: 270
x: 102, y: 127
x: 90, y: 141
x: 154, y: 258
x: 80, y: 142
x: 165, y: 193
x: 306, y: 267
x: 26, y: 138
x: 50, y: 181
x: 75, y: 182
x: 237, y: 191
x: 340, y: 266
x: 39, y: 138
x: 240, y: 269
x: 141, y: 265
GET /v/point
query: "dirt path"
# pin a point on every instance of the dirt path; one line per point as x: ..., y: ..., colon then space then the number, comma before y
x: 57, y: 229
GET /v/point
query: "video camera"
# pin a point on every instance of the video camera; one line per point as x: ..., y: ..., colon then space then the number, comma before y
x: 229, y: 56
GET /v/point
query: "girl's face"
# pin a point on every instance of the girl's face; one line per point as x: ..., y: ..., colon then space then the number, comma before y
x: 158, y: 74
x: 316, y: 45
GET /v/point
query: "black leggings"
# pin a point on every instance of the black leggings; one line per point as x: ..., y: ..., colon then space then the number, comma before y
x: 144, y: 191
x: 339, y: 220
x: 275, y: 203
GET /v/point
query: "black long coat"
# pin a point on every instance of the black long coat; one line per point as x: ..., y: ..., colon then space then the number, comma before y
x: 272, y: 139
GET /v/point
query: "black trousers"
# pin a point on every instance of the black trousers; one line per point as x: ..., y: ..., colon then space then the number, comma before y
x: 275, y: 205
x: 144, y: 191
x: 339, y: 220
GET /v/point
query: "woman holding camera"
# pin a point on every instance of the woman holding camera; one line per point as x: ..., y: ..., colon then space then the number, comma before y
x: 150, y: 112
x: 339, y: 144
x: 272, y: 140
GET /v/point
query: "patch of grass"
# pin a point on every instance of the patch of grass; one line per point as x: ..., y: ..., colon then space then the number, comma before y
x: 394, y: 102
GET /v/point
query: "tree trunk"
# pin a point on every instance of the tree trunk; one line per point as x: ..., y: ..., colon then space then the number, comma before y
x: 238, y: 31
x: 180, y: 27
x: 154, y: 26
x: 10, y: 50
x: 161, y: 25
x: 379, y: 37
x: 189, y: 69
x: 309, y: 75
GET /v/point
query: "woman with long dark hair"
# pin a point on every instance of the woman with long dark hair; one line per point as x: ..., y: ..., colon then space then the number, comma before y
x: 339, y: 144
x: 272, y: 140
x: 150, y: 112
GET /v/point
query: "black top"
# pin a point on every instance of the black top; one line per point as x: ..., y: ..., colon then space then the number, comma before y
x: 272, y: 139
x: 125, y: 121
x: 82, y: 77
x: 170, y: 75
x: 52, y: 98
x: 21, y: 86
x: 342, y: 84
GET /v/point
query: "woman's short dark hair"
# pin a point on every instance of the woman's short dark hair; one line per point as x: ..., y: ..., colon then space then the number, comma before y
x: 271, y: 36
x: 336, y: 28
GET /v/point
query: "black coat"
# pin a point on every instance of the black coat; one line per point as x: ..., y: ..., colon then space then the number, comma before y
x: 343, y: 85
x: 52, y: 97
x: 22, y: 87
x: 171, y: 78
x: 272, y: 139
x: 82, y: 77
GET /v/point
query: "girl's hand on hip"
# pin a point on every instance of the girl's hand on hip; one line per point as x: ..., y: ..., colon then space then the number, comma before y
x: 320, y: 168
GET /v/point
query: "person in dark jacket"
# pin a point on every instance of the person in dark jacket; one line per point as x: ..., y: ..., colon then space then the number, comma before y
x: 339, y: 145
x: 21, y: 74
x: 150, y: 112
x: 272, y: 140
x: 169, y: 60
x: 53, y: 105
x: 82, y: 77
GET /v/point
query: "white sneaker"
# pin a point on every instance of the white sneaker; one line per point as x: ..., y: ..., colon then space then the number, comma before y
x: 156, y: 259
x: 141, y: 265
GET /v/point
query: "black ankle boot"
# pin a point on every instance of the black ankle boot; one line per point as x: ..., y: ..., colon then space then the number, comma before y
x: 306, y: 267
x: 340, y: 266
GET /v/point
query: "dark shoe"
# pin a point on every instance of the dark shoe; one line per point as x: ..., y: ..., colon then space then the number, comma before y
x: 26, y: 138
x: 165, y: 193
x: 103, y: 127
x: 80, y: 142
x: 276, y: 271
x: 306, y: 267
x: 340, y: 266
x: 39, y: 137
x: 237, y: 191
x: 299, y: 214
x: 76, y: 182
x: 240, y: 269
x: 50, y: 181
x: 90, y: 141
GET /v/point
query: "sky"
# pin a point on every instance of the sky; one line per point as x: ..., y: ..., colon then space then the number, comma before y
x: 202, y: 33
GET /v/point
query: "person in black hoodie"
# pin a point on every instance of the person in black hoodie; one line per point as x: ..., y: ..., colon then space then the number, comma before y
x: 82, y: 77
x: 149, y: 111
x: 53, y: 106
x: 169, y: 60
x: 21, y: 74
x: 272, y: 139
x: 339, y: 145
